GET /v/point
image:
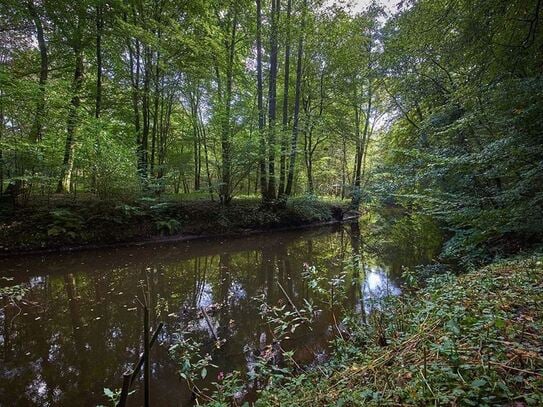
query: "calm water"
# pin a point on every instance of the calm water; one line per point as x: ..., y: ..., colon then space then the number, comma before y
x: 79, y: 328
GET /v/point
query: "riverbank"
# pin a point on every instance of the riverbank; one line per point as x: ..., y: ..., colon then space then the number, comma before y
x: 70, y: 225
x: 474, y: 339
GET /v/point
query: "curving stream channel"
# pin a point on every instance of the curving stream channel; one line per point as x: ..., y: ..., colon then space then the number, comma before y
x: 78, y: 328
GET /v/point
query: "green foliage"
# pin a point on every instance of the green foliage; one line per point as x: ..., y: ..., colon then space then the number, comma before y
x: 309, y: 209
x: 185, y: 352
x: 285, y: 319
x: 13, y: 293
x: 169, y: 227
x: 469, y: 340
x: 466, y: 146
x: 413, y: 237
x: 65, y: 222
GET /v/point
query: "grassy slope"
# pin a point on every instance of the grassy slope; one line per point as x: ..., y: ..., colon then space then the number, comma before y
x: 476, y: 339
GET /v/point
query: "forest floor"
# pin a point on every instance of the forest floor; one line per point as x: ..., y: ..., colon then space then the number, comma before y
x: 473, y: 339
x: 69, y: 224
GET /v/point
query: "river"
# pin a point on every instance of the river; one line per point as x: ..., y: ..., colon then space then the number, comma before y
x: 79, y: 326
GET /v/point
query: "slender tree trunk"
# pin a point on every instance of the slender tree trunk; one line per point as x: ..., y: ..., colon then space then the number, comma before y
x: 206, y: 159
x: 158, y: 97
x: 358, y: 155
x: 145, y: 107
x: 272, y: 99
x: 163, y: 140
x: 284, y: 138
x: 156, y: 102
x: 134, y: 59
x: 226, y: 184
x: 99, y: 28
x: 362, y: 148
x: 98, y: 99
x: 260, y: 102
x: 343, y: 167
x: 309, y: 164
x: 1, y: 136
x: 37, y: 129
x: 194, y: 108
x: 297, y: 97
x: 308, y: 144
x: 71, y: 126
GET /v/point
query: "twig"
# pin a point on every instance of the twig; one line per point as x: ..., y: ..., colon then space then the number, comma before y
x: 140, y: 362
x: 515, y: 369
x: 125, y: 389
x: 337, y: 327
x: 209, y: 324
x: 292, y: 304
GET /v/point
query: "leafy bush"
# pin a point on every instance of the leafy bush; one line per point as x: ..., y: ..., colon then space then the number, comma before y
x: 169, y: 227
x: 309, y: 209
x: 470, y: 340
x: 65, y: 222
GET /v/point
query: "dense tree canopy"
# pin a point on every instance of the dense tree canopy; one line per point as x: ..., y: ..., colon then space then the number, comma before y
x: 160, y: 96
x: 464, y: 78
x: 436, y: 107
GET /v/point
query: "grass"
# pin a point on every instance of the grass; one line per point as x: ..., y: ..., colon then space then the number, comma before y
x: 471, y: 340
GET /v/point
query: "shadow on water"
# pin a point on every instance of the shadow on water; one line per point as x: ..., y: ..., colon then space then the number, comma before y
x: 78, y: 328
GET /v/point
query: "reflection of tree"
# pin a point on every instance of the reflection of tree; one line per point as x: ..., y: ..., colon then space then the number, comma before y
x: 358, y: 273
x: 5, y: 308
x: 285, y: 276
x: 268, y: 266
x: 76, y: 325
x: 75, y: 315
x: 230, y: 274
x: 224, y: 284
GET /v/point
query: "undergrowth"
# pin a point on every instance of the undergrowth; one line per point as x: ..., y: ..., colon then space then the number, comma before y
x: 68, y: 223
x: 469, y: 340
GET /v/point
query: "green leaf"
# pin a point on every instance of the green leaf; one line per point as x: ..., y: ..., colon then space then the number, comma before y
x: 499, y: 323
x: 478, y: 383
x: 109, y: 393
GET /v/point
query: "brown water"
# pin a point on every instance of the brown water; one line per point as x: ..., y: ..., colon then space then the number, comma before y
x: 78, y: 328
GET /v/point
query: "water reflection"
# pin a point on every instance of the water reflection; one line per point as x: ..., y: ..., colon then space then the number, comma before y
x: 79, y: 328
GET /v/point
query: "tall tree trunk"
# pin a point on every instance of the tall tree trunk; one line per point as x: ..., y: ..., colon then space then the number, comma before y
x: 358, y: 155
x: 157, y: 98
x: 362, y: 148
x: 308, y: 144
x: 308, y: 154
x: 272, y: 98
x: 1, y: 136
x: 260, y: 102
x: 146, y: 109
x: 226, y: 182
x: 99, y: 28
x: 164, y: 134
x: 194, y: 97
x: 71, y: 125
x: 206, y: 159
x: 98, y: 99
x: 158, y: 95
x: 284, y: 139
x: 297, y: 97
x: 37, y: 129
x: 135, y: 64
x: 343, y: 166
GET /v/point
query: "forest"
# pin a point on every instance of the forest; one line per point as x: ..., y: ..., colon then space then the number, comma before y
x: 138, y: 121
